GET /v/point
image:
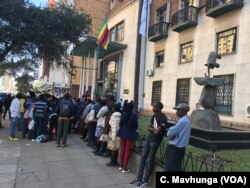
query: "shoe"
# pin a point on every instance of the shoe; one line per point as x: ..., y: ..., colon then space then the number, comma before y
x: 58, y: 145
x: 135, y: 182
x: 33, y: 140
x: 98, y: 153
x: 142, y: 184
x: 15, y: 139
x: 64, y: 145
x: 111, y: 164
x: 125, y: 171
x: 120, y: 168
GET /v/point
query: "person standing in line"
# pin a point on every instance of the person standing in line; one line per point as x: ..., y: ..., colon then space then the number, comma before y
x: 1, y: 112
x: 113, y: 139
x: 127, y: 133
x: 15, y: 115
x: 65, y: 111
x: 7, y: 102
x: 22, y: 110
x: 179, y: 136
x: 156, y: 130
x: 40, y: 116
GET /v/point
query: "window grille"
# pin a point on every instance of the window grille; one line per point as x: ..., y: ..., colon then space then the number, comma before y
x: 224, y: 98
x: 156, y: 92
x: 182, y: 91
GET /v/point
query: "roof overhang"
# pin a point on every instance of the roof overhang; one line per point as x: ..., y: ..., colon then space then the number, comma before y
x: 89, y: 42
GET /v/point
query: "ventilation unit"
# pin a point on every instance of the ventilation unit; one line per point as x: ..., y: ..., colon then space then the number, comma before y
x: 150, y: 72
x: 247, y: 112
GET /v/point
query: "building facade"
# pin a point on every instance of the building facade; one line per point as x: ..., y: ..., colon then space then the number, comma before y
x: 178, y: 47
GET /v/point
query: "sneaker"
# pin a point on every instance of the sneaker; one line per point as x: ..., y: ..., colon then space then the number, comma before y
x: 15, y: 139
x: 134, y: 182
x: 64, y: 145
x: 142, y: 184
x: 11, y: 138
x: 33, y: 140
x: 58, y: 145
x: 125, y: 171
x: 120, y: 168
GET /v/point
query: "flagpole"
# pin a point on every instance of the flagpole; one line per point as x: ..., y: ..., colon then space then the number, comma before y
x: 145, y: 11
x: 94, y: 82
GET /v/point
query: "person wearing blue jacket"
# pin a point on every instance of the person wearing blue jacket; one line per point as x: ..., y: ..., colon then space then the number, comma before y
x: 128, y: 134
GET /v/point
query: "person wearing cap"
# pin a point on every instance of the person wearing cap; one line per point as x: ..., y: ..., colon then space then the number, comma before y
x: 179, y: 136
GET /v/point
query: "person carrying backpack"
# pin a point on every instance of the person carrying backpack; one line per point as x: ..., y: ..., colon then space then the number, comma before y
x: 65, y: 111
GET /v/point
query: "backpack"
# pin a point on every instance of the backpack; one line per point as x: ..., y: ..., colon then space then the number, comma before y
x: 65, y: 108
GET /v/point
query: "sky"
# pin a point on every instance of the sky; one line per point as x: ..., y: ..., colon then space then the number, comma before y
x: 41, y: 3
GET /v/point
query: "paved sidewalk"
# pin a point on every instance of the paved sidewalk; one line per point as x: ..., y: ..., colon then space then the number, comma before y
x: 26, y: 164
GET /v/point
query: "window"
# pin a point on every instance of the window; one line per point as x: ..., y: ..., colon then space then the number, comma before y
x: 112, y: 4
x: 162, y: 14
x: 156, y: 92
x: 186, y: 3
x: 226, y: 41
x: 117, y: 32
x: 159, y: 59
x: 111, y: 78
x: 112, y: 34
x: 120, y: 31
x: 224, y: 98
x: 186, y: 52
x: 182, y: 91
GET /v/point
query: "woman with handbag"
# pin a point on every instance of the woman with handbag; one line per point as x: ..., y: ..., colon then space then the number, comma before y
x: 113, y: 140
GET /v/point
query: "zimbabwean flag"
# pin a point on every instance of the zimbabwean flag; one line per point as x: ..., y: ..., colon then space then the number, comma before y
x: 103, y: 37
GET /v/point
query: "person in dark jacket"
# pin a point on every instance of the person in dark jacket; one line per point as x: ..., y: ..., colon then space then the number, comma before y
x: 7, y: 103
x: 64, y: 111
x: 127, y: 133
x: 1, y: 112
x: 40, y: 115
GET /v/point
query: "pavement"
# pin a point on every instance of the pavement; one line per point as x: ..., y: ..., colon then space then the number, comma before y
x: 26, y: 164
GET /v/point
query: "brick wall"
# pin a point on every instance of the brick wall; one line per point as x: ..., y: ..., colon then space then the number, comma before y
x: 96, y: 9
x: 202, y: 2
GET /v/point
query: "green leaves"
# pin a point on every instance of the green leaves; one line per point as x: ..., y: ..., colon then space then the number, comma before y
x: 29, y: 33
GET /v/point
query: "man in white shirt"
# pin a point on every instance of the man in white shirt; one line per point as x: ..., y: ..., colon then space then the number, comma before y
x: 15, y: 115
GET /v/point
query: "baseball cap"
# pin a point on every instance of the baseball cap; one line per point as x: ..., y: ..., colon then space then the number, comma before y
x: 182, y: 106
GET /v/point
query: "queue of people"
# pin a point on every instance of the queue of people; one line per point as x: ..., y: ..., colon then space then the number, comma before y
x: 108, y: 127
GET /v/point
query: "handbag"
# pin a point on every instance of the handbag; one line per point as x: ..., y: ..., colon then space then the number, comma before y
x: 104, y: 138
x: 90, y: 117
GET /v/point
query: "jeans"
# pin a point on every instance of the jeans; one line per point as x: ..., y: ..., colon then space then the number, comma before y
x: 147, y: 159
x: 174, y: 158
x: 13, y: 126
x: 39, y: 126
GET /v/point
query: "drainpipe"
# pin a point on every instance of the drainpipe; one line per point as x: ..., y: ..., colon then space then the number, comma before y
x: 137, y: 60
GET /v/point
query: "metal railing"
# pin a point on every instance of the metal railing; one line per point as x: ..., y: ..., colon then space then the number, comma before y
x: 211, y: 4
x: 187, y: 14
x: 158, y: 30
x: 191, y: 162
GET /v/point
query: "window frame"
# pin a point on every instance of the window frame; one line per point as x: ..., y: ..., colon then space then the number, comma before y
x: 117, y: 32
x: 188, y: 45
x: 227, y: 34
x: 156, y: 91
x: 179, y: 90
x: 160, y: 55
x: 229, y: 85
